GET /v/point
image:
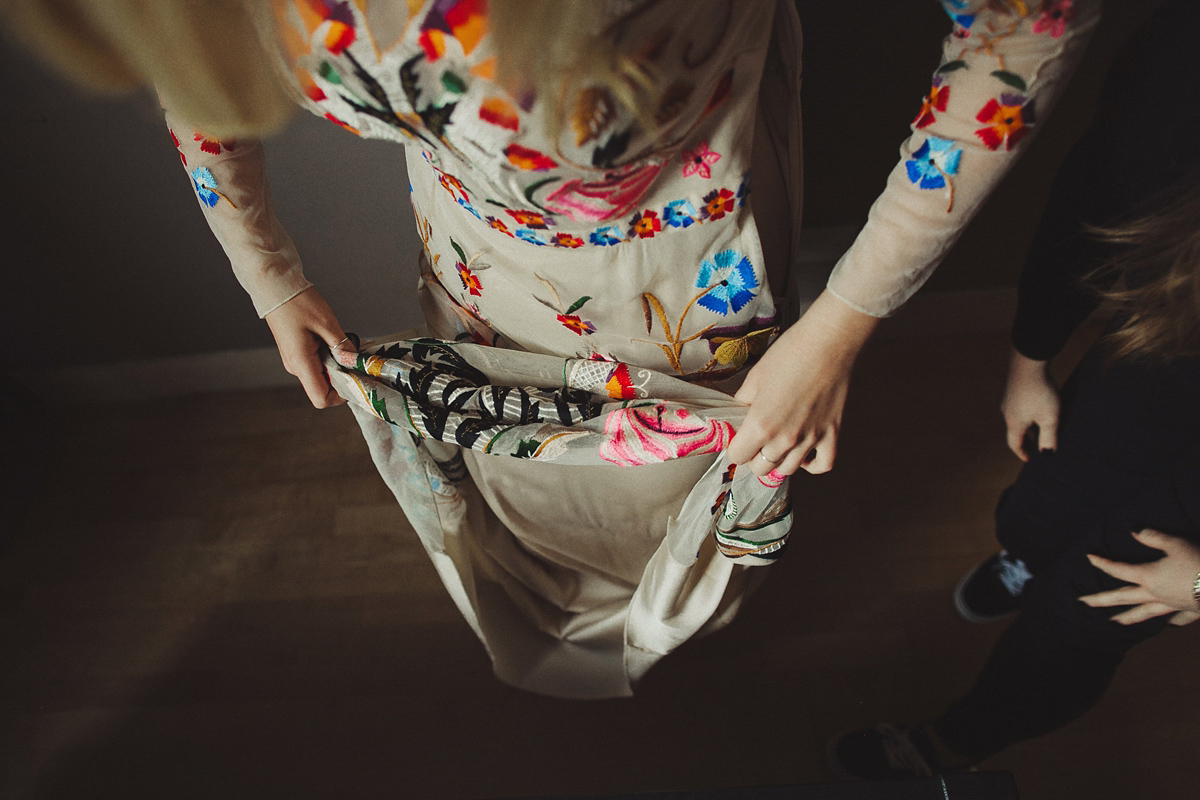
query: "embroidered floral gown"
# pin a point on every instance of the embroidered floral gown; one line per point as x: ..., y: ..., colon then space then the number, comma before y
x: 558, y: 443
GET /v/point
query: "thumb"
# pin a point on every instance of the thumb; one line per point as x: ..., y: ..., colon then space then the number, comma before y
x: 1048, y: 435
x: 1156, y: 539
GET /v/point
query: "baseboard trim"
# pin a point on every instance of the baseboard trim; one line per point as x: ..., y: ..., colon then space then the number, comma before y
x: 149, y: 379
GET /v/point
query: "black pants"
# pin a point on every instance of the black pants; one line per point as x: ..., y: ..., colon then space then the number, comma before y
x: 1128, y: 459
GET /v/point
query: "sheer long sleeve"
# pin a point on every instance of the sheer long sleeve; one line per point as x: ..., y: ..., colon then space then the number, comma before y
x: 1002, y: 68
x: 230, y: 181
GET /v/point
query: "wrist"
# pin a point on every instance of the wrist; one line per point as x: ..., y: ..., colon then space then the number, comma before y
x: 839, y: 323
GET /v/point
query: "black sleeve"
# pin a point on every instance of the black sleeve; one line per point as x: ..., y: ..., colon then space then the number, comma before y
x: 1142, y: 139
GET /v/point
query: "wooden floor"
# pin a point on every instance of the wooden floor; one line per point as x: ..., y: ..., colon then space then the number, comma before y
x: 217, y: 597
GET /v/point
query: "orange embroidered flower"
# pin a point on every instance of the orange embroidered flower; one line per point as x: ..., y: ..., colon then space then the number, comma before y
x: 470, y: 280
x: 717, y: 203
x: 530, y: 219
x: 451, y: 184
x: 566, y: 240
x: 575, y: 323
x: 620, y: 384
x: 499, y: 225
x: 332, y: 22
x: 499, y: 111
x: 1008, y: 120
x: 528, y: 159
x: 645, y: 224
x: 936, y: 100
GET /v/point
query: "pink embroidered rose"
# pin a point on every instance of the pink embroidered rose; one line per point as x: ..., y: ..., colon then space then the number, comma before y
x: 595, y: 201
x: 651, y: 434
x: 1054, y: 19
x: 698, y: 161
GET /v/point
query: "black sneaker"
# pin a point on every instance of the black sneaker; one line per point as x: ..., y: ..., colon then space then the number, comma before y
x: 885, y: 751
x: 992, y: 589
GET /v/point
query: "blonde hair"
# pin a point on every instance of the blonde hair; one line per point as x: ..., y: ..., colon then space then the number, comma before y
x: 1160, y: 295
x: 209, y: 63
x: 555, y: 48
x: 205, y: 57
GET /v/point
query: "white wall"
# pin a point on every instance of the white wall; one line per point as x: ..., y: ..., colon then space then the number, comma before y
x: 104, y: 255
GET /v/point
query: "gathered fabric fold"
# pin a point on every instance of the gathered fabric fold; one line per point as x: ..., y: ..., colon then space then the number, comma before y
x: 452, y: 424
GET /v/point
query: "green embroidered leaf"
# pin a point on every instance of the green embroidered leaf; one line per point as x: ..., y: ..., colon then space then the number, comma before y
x: 494, y: 202
x: 329, y: 73
x: 461, y: 255
x: 361, y: 363
x: 380, y: 406
x: 950, y: 66
x: 533, y: 187
x: 578, y: 304
x: 1011, y: 78
x: 453, y: 83
x: 526, y: 448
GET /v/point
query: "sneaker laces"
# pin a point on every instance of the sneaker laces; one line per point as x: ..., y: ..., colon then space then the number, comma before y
x: 1012, y: 572
x: 902, y: 752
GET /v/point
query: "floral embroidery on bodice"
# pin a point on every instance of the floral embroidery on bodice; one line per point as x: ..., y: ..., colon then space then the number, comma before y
x: 611, y: 200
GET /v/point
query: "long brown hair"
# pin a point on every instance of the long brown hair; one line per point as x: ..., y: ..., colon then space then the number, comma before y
x: 210, y: 60
x: 1158, y: 270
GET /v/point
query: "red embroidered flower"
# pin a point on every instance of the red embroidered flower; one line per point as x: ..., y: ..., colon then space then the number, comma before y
x: 936, y: 100
x: 337, y: 121
x: 212, y: 145
x: 499, y: 111
x: 573, y: 322
x: 499, y: 225
x: 337, y: 25
x: 452, y: 185
x: 645, y: 224
x: 470, y: 280
x: 698, y: 160
x: 175, y: 139
x: 566, y: 240
x: 1008, y: 120
x: 530, y: 219
x: 620, y: 384
x: 528, y: 159
x: 1054, y: 19
x: 717, y: 203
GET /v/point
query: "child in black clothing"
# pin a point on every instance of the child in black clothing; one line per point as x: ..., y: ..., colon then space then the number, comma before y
x: 1106, y: 513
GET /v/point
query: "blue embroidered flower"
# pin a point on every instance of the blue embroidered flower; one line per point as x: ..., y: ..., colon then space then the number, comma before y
x: 953, y: 7
x: 462, y: 201
x: 206, y: 186
x: 680, y: 214
x: 531, y: 236
x: 743, y: 190
x: 730, y: 281
x: 605, y: 236
x: 933, y: 162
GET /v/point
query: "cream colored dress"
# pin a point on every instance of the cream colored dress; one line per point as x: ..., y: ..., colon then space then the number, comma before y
x: 558, y: 440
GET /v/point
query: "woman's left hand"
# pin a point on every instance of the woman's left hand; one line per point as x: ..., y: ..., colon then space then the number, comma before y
x: 1160, y: 587
x: 797, y: 391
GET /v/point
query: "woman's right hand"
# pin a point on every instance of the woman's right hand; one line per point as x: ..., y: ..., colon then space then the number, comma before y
x: 301, y: 326
x: 1030, y: 398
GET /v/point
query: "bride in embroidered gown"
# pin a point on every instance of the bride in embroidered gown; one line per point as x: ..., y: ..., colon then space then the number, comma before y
x: 603, y: 291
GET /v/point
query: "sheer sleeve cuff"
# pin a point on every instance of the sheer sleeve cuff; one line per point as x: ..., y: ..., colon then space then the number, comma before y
x: 229, y: 178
